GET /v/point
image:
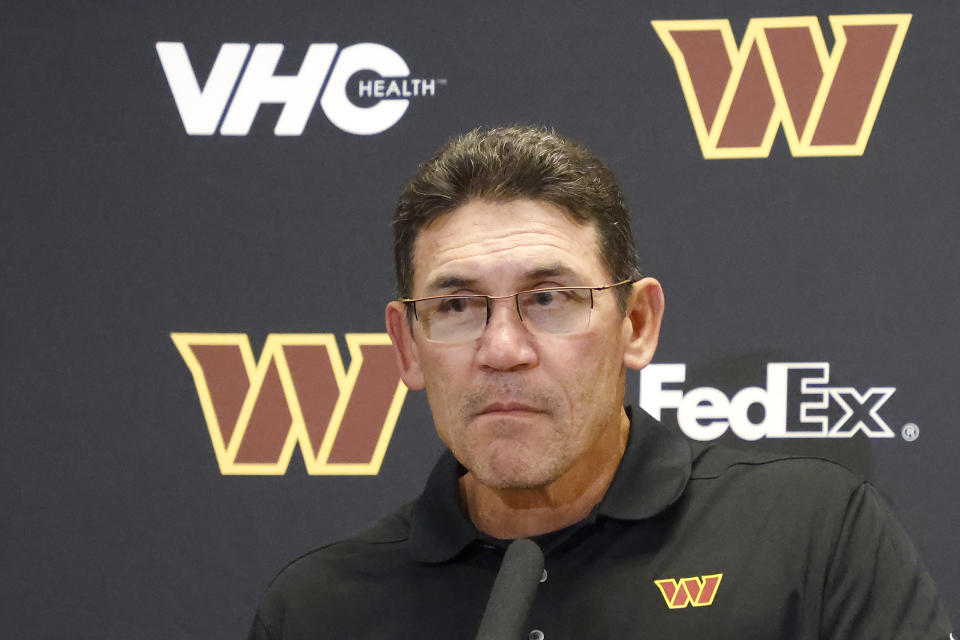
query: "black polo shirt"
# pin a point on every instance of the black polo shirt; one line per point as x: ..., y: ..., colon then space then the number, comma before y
x: 690, y: 541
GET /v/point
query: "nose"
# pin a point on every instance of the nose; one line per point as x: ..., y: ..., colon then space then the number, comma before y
x: 506, y: 344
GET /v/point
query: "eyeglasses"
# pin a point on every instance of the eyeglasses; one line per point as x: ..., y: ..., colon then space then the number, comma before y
x: 554, y: 310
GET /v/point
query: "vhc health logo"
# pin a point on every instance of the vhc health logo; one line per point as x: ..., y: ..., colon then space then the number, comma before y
x: 798, y: 401
x: 782, y: 75
x: 243, y: 77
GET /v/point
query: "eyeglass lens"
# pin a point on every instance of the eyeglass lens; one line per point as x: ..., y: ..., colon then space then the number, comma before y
x: 459, y: 319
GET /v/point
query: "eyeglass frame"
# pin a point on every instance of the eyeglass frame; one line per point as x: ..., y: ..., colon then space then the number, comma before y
x: 516, y: 301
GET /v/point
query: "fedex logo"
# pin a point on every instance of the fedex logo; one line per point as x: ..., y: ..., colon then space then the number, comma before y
x: 242, y: 78
x: 797, y: 402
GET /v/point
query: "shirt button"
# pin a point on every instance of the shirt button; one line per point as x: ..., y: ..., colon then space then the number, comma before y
x: 536, y: 634
x: 543, y: 578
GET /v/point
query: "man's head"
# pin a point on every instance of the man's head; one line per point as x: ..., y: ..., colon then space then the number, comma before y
x: 519, y: 403
x: 515, y: 163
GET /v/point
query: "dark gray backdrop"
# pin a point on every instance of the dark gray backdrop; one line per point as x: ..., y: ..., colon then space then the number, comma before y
x: 119, y: 228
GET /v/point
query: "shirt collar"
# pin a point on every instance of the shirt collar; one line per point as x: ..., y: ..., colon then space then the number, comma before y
x: 652, y: 475
x: 653, y: 472
x: 439, y: 529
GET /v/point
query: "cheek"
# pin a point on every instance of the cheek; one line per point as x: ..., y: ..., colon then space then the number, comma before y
x: 444, y: 386
x: 595, y: 376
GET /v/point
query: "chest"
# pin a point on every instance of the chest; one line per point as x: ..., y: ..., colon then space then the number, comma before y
x: 614, y: 583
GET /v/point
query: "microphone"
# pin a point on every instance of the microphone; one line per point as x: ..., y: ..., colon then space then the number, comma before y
x: 513, y: 591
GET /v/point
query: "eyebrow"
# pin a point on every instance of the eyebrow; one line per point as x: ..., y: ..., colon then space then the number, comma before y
x: 551, y: 271
x: 457, y: 281
x: 452, y: 282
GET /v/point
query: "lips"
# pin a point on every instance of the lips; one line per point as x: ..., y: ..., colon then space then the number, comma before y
x: 516, y: 408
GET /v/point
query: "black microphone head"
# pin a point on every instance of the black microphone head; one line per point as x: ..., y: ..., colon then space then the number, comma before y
x: 513, y: 592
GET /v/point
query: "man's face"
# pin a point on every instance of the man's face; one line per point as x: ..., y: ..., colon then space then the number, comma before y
x: 518, y: 408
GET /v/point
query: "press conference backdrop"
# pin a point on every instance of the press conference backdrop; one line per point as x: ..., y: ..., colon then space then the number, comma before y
x: 197, y: 253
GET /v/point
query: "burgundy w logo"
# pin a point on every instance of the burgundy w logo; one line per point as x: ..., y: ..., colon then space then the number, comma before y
x: 783, y: 76
x: 697, y: 591
x: 297, y: 394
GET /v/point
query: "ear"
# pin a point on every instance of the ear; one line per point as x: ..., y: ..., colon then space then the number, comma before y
x: 404, y: 348
x: 643, y: 318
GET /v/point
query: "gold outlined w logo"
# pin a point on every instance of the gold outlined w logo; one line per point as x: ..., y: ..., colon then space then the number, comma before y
x: 698, y: 591
x: 782, y: 75
x: 298, y: 393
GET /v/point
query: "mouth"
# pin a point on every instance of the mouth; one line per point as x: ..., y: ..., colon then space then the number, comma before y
x: 508, y: 409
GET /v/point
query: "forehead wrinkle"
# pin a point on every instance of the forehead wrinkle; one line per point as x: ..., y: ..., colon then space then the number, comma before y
x: 456, y: 281
x: 459, y: 270
x: 501, y: 242
x: 504, y: 243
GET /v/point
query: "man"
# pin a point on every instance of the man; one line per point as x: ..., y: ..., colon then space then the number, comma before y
x: 521, y: 308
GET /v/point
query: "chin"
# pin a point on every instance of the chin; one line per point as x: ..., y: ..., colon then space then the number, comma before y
x: 514, y: 474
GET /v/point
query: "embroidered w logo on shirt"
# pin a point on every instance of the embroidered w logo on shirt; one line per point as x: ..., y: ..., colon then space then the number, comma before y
x: 697, y: 591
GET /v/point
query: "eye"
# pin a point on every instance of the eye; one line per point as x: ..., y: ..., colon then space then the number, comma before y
x: 555, y: 298
x: 453, y: 305
x: 546, y: 298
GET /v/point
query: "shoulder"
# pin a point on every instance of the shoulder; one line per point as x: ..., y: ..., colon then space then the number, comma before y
x: 335, y: 583
x: 332, y: 563
x: 759, y: 475
x: 714, y: 461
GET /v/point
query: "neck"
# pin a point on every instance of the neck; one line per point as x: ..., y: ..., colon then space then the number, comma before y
x: 521, y: 513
